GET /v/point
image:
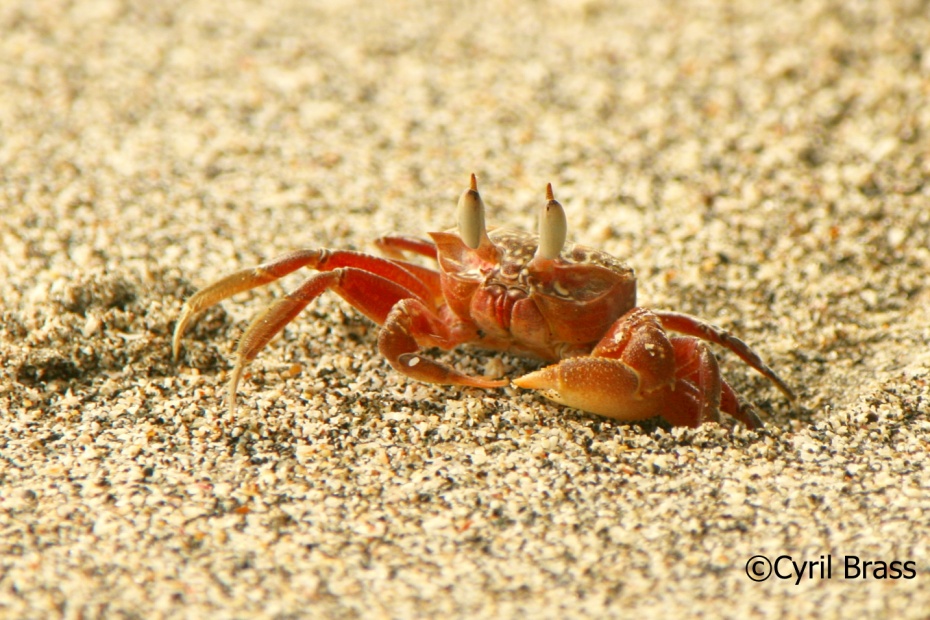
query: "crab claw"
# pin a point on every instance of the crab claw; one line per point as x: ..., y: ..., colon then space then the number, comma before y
x: 637, y: 371
x: 599, y: 385
x: 626, y: 376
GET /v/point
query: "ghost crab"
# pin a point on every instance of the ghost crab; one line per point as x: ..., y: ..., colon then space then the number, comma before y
x: 511, y: 291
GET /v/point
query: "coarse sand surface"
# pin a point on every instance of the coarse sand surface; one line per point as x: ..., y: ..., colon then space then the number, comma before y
x: 762, y: 165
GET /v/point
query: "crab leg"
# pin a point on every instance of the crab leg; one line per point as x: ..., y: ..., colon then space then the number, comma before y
x: 696, y: 364
x: 394, y: 246
x: 693, y: 326
x: 412, y: 280
x: 429, y: 278
x: 373, y: 295
x: 736, y: 407
x: 410, y: 325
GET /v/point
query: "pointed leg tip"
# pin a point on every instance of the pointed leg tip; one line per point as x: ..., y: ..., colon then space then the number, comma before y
x: 179, y: 329
x: 755, y: 421
x: 234, y: 385
x: 486, y: 384
x: 176, y: 346
x: 473, y: 183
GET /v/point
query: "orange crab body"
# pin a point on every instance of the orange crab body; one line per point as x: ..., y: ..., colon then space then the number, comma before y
x: 547, y: 308
x: 512, y: 291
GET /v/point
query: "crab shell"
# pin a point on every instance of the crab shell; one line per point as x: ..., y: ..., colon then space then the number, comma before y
x: 519, y: 302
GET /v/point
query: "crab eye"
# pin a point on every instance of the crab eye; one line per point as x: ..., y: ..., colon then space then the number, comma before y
x: 552, y: 227
x: 470, y: 213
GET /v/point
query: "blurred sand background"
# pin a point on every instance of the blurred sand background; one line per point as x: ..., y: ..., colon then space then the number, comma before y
x: 762, y: 165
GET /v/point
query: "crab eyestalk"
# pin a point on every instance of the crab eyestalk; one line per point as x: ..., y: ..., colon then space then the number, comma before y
x: 553, y: 228
x: 471, y: 217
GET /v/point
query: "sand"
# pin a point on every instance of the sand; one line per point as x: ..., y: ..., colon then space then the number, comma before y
x: 761, y: 165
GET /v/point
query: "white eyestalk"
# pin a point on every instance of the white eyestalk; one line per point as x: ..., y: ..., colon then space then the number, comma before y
x: 471, y: 216
x: 553, y: 228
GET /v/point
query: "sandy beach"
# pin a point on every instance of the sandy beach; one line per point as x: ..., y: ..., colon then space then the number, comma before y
x: 763, y: 166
